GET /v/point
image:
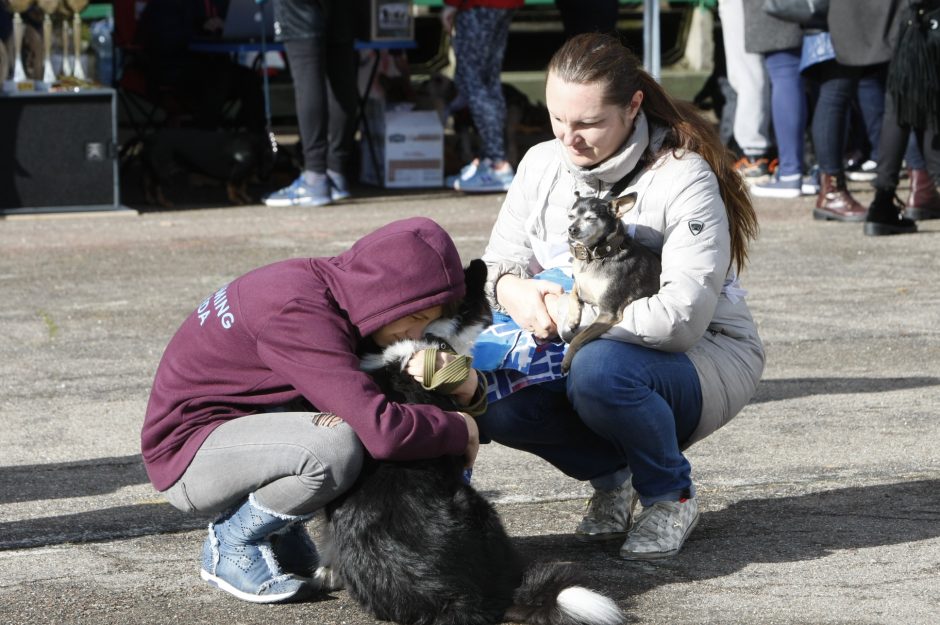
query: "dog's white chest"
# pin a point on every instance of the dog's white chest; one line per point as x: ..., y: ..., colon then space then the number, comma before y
x: 590, y: 285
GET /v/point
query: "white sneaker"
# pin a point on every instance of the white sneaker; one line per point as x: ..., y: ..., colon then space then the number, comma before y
x: 661, y: 530
x: 609, y: 514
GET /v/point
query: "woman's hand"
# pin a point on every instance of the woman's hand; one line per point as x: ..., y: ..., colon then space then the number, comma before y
x: 527, y: 302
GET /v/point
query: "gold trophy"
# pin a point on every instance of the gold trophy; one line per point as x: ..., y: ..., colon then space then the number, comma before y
x: 48, y: 8
x: 66, y: 61
x: 77, y: 7
x: 19, y: 72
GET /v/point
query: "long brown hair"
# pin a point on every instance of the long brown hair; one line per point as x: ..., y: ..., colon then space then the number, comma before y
x: 597, y: 58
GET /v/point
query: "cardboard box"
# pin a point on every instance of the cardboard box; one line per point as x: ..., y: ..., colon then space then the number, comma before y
x: 409, y: 148
x: 392, y: 20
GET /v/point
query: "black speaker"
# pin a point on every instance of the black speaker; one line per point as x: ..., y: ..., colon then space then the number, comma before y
x: 58, y: 152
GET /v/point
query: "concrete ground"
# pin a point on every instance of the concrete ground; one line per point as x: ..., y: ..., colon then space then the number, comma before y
x: 821, y: 500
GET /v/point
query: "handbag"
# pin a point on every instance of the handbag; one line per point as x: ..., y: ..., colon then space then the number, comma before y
x: 803, y: 12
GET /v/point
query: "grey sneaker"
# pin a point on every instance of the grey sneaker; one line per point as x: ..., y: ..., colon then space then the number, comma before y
x: 609, y: 514
x: 661, y: 530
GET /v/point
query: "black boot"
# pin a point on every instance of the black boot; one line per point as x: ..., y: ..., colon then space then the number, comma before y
x: 884, y: 216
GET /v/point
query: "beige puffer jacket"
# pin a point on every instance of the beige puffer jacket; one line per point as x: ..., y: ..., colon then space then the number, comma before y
x: 679, y: 214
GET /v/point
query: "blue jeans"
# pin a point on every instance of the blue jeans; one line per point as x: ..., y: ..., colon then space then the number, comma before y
x: 788, y: 107
x: 623, y: 408
x: 837, y: 86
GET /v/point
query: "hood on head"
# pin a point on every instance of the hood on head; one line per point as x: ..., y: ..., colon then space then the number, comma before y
x: 401, y: 268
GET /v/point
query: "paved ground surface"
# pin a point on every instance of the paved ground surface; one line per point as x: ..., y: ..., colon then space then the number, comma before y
x: 821, y: 500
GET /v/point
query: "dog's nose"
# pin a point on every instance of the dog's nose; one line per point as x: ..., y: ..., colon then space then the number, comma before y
x: 573, y: 231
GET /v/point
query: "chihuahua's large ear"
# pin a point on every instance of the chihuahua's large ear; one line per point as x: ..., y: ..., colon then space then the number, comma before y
x: 620, y: 206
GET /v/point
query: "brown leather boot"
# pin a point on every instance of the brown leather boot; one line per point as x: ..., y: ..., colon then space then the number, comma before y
x: 834, y: 201
x: 924, y: 201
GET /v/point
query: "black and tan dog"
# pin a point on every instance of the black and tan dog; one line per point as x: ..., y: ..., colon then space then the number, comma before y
x: 413, y: 543
x: 610, y: 268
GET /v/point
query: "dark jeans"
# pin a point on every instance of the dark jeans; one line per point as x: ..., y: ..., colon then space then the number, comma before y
x: 837, y: 85
x: 895, y: 139
x: 325, y: 94
x: 622, y: 406
x: 788, y: 106
x: 871, y: 101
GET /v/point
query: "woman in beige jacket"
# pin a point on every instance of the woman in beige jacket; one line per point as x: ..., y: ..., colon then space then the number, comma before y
x: 682, y: 362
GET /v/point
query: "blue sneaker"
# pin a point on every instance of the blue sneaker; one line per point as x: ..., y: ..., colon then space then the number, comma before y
x: 339, y: 186
x: 238, y: 557
x: 295, y: 550
x: 466, y: 172
x: 811, y: 182
x: 779, y: 187
x: 487, y: 180
x: 299, y: 193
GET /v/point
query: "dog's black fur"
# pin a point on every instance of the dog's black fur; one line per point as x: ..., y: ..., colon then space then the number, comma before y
x: 413, y: 543
x: 229, y: 157
x: 610, y: 268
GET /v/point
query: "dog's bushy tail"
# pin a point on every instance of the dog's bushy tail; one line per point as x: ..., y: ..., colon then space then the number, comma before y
x: 550, y: 594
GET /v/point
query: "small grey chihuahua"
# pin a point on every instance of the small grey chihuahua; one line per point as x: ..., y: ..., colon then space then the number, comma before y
x: 610, y: 268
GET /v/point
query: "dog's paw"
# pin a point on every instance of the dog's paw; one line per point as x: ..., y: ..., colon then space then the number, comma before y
x: 327, y: 579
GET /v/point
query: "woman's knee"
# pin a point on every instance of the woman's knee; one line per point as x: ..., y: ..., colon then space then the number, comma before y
x: 340, y: 457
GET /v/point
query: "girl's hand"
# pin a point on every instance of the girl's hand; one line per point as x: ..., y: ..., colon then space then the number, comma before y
x: 525, y: 301
x: 463, y: 393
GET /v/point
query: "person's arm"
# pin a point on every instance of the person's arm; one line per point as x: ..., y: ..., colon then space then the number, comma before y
x: 508, y: 253
x: 323, y: 367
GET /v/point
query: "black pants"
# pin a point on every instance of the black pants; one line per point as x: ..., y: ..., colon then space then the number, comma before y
x: 325, y: 96
x: 893, y: 143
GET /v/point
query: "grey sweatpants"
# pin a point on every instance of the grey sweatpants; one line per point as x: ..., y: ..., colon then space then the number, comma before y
x: 748, y: 78
x: 294, y: 463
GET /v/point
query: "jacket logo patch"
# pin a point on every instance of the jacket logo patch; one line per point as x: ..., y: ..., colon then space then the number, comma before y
x: 696, y: 226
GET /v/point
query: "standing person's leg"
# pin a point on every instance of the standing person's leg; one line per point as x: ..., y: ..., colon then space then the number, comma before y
x: 871, y: 105
x: 264, y: 473
x: 479, y: 45
x: 923, y: 201
x: 884, y: 215
x: 343, y: 97
x: 788, y: 105
x: 748, y: 78
x: 837, y: 84
x: 307, y: 60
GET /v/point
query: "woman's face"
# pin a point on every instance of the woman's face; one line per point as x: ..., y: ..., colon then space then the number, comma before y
x: 410, y: 327
x: 589, y: 129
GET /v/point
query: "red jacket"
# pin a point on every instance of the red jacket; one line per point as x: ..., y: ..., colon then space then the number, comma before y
x: 290, y: 331
x: 488, y: 4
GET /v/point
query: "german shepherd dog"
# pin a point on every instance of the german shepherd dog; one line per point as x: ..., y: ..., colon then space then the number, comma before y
x: 610, y: 268
x: 412, y: 542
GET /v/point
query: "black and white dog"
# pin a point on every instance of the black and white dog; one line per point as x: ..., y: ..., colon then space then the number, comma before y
x: 413, y: 543
x: 610, y: 268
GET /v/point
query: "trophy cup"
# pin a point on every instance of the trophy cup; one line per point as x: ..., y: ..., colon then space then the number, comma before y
x: 48, y: 8
x: 77, y: 7
x: 19, y: 72
x: 66, y: 61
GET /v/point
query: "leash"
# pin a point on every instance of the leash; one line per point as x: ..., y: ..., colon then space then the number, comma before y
x: 624, y: 182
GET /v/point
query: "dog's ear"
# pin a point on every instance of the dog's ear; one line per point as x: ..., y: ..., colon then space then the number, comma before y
x: 620, y: 206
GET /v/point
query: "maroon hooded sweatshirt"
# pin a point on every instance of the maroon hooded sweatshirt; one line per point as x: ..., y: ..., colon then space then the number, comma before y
x: 290, y: 331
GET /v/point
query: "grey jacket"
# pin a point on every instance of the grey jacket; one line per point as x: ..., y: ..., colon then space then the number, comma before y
x: 864, y: 32
x: 764, y: 33
x: 699, y: 310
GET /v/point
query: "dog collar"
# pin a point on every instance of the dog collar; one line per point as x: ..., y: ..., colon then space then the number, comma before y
x: 608, y: 247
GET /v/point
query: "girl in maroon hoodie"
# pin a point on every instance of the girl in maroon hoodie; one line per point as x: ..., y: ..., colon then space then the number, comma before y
x: 259, y: 410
